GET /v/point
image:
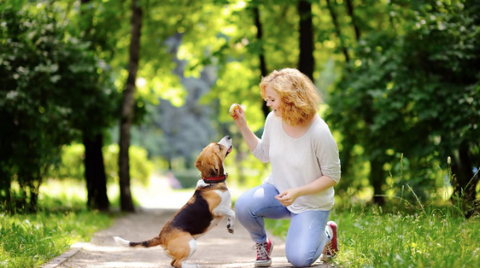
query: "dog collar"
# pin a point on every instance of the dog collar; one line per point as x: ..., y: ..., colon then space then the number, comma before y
x: 216, y: 179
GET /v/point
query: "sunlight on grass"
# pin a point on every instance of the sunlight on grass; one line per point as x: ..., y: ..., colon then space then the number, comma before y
x: 370, y: 238
x: 65, y: 193
x: 433, y: 240
x: 157, y: 194
x: 33, y: 239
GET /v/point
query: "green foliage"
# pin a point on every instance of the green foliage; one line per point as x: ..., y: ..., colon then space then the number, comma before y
x: 52, y: 91
x: 410, y: 87
x: 140, y: 166
x: 413, y: 94
x: 188, y: 178
x: 31, y: 240
x: 71, y: 165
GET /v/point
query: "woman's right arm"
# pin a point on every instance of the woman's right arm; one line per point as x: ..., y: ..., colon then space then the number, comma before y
x: 247, y: 133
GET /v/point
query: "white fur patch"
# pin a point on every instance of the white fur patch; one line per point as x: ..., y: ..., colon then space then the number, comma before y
x: 193, y: 247
x: 226, y: 199
x: 227, y: 142
x: 121, y: 241
x: 201, y: 183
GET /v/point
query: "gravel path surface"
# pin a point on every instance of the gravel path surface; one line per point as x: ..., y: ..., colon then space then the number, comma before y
x: 218, y: 248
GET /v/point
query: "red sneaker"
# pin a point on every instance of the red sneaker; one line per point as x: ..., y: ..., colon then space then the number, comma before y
x: 331, y: 248
x: 263, y: 253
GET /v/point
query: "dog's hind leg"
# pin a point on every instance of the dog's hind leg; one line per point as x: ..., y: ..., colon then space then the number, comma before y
x: 180, y: 249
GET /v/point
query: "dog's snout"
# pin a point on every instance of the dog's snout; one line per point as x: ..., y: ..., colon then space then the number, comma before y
x: 226, y: 141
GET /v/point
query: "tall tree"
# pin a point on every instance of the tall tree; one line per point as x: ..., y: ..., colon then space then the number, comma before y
x: 95, y: 177
x: 338, y: 30
x: 351, y: 13
x: 306, y: 63
x: 128, y: 105
x: 95, y: 172
x: 261, y: 54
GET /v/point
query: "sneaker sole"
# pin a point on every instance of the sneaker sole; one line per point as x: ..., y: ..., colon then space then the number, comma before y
x: 263, y: 264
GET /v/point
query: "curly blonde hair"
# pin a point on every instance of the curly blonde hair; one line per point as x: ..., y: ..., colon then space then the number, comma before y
x: 298, y: 94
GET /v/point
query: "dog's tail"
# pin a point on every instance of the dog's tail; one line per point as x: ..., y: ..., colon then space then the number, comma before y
x: 146, y: 244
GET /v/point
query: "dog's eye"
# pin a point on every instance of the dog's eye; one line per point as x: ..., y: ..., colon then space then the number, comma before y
x: 220, y: 147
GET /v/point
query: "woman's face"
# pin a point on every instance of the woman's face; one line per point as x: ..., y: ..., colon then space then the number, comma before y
x: 273, y: 100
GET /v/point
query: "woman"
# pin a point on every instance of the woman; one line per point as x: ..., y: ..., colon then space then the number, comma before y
x: 305, y: 168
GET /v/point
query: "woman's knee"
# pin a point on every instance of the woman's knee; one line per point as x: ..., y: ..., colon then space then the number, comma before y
x: 299, y: 259
x: 243, y: 206
x: 249, y: 201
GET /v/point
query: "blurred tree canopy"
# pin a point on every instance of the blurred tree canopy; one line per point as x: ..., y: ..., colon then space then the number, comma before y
x: 400, y: 81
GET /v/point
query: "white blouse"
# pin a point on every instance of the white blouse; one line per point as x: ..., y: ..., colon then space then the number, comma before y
x: 296, y: 162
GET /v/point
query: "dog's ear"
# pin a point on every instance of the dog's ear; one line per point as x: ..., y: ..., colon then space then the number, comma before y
x: 199, y: 163
x: 218, y: 165
x: 209, y: 163
x: 211, y: 166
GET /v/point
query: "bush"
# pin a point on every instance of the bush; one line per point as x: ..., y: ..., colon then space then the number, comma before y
x: 140, y: 166
x: 188, y: 178
x: 54, y: 89
x: 71, y: 166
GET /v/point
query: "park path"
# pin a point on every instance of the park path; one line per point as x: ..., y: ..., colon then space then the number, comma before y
x: 217, y: 248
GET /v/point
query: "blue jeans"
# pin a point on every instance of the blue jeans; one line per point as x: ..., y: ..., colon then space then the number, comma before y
x: 306, y: 236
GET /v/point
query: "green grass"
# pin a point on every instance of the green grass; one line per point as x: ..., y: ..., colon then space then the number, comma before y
x: 30, y: 240
x: 33, y: 239
x: 368, y: 237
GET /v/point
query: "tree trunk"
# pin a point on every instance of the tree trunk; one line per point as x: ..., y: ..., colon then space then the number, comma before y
x: 95, y: 173
x: 462, y: 170
x: 376, y: 179
x: 95, y: 176
x: 33, y: 199
x: 306, y: 63
x: 390, y: 18
x: 351, y: 13
x: 261, y: 55
x: 345, y: 157
x: 473, y: 205
x: 128, y: 103
x: 338, y: 31
x: 465, y: 182
x: 5, y: 190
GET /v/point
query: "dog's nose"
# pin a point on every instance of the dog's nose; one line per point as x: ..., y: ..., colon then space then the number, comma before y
x: 228, y: 137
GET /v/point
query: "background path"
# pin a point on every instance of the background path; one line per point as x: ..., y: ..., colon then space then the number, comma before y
x: 218, y: 248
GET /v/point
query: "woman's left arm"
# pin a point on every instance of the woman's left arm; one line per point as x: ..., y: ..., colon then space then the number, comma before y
x: 326, y: 152
x: 287, y: 197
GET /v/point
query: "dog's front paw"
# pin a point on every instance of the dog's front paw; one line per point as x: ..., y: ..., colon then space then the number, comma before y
x: 230, y: 227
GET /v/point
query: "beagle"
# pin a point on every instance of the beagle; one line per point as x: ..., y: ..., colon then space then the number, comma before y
x: 210, y: 203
